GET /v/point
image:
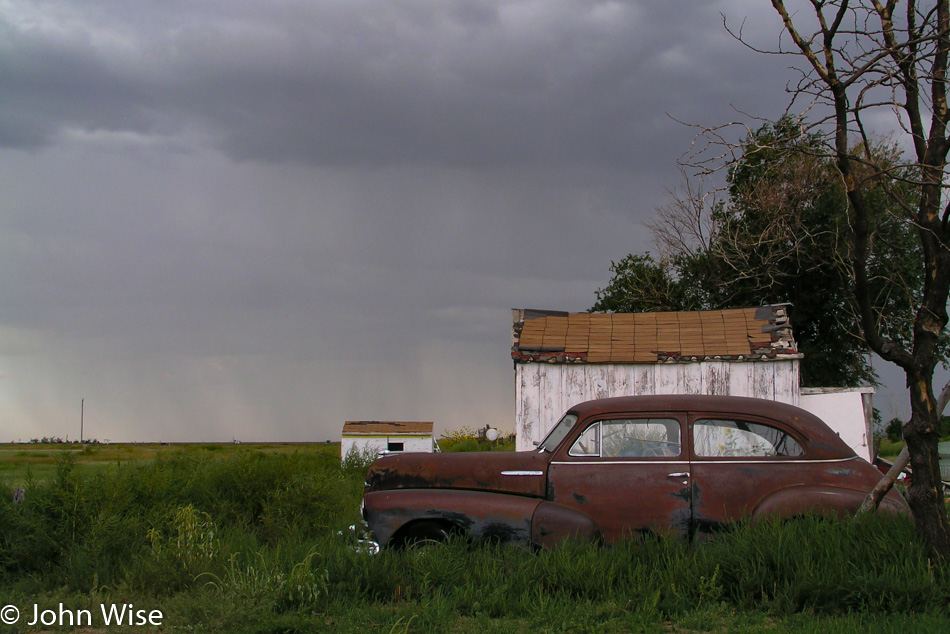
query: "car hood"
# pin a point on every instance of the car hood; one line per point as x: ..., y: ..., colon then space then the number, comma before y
x: 519, y: 473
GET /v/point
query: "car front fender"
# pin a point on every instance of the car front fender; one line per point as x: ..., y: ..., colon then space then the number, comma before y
x: 554, y: 523
x: 477, y: 514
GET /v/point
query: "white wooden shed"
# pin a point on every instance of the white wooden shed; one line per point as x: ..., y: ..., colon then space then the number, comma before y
x: 365, y: 436
x: 565, y: 358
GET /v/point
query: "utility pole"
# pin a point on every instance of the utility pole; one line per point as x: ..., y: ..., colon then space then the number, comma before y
x: 82, y: 420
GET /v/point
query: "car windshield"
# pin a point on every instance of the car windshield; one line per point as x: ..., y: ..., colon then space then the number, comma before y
x: 557, y: 434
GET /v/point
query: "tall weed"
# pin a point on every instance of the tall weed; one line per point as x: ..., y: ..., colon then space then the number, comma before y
x: 815, y: 565
x: 264, y: 580
x: 158, y: 525
x: 357, y: 460
x: 254, y: 540
x: 866, y: 563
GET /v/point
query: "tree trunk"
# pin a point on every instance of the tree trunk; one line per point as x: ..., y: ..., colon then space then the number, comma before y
x: 873, y: 500
x: 924, y: 495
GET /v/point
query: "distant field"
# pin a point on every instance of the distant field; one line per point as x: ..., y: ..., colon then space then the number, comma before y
x: 20, y: 461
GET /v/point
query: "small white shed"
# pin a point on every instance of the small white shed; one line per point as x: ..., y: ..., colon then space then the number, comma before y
x: 364, y: 436
x: 562, y: 359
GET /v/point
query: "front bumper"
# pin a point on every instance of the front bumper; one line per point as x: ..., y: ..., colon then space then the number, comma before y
x: 364, y: 542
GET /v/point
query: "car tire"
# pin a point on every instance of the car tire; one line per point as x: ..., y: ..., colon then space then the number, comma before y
x: 425, y: 534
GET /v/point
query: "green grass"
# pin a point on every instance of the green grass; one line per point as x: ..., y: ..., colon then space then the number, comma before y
x: 889, y: 449
x: 241, y: 539
x: 19, y: 462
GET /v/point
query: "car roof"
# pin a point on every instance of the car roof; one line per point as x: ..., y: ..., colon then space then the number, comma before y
x: 822, y: 441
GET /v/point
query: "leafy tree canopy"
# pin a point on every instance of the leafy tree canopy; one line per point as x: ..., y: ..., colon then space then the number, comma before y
x: 780, y: 235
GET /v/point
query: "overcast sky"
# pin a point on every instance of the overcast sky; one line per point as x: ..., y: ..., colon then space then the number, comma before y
x: 257, y: 220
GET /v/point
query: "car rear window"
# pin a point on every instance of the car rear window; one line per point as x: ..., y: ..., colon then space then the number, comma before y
x: 719, y: 438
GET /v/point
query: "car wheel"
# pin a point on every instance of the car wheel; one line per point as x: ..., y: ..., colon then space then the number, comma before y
x: 426, y: 534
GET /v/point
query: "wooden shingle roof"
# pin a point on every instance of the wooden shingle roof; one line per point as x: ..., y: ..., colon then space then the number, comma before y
x: 739, y: 334
x: 375, y: 427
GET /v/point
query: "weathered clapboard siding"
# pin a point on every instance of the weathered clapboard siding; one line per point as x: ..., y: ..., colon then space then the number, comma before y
x: 546, y: 390
x: 716, y: 378
x: 763, y: 380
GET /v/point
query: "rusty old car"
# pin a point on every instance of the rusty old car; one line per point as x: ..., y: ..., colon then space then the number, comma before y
x: 616, y: 467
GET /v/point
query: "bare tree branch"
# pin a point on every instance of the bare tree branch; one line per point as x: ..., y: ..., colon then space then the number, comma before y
x: 862, y: 62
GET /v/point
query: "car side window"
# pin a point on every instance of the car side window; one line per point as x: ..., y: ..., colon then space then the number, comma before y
x: 630, y: 438
x: 589, y: 442
x: 717, y: 438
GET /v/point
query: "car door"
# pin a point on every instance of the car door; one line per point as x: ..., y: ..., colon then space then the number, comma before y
x: 628, y: 473
x: 737, y: 461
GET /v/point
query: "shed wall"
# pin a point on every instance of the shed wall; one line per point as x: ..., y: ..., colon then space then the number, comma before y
x: 847, y: 411
x: 414, y: 444
x: 544, y: 391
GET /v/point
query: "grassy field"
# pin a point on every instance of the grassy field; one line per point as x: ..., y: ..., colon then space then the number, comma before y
x: 19, y: 462
x: 254, y: 538
x: 889, y: 449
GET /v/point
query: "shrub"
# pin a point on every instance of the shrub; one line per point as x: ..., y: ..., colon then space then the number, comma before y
x: 468, y: 439
x: 895, y: 430
x: 357, y: 461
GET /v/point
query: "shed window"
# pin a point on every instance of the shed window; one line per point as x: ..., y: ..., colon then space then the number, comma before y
x: 395, y: 446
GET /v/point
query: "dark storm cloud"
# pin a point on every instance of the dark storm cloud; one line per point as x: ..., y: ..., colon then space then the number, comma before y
x: 483, y: 84
x: 231, y: 216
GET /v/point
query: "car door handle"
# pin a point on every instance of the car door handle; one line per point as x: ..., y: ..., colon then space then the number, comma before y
x: 681, y: 474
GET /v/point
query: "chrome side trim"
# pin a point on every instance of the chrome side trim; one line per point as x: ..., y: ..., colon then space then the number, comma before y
x: 768, y: 460
x: 653, y: 462
x: 522, y: 473
x: 711, y: 461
